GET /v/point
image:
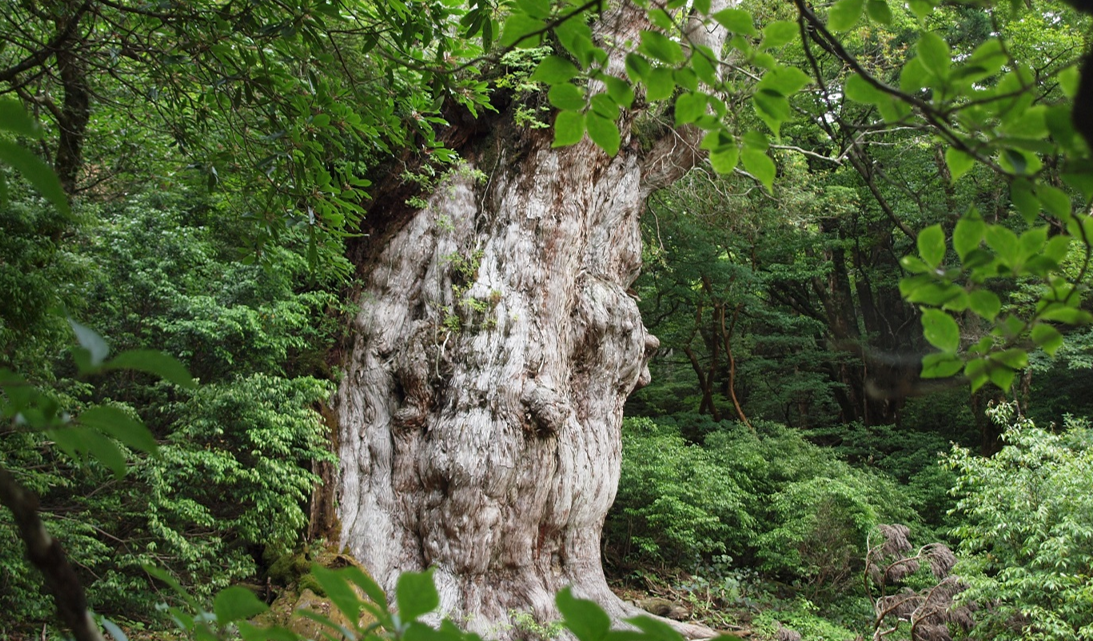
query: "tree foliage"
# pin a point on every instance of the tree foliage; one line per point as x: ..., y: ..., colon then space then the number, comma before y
x: 1026, y: 539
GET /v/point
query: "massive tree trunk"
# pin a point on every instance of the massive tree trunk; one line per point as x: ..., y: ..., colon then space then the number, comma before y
x: 482, y: 403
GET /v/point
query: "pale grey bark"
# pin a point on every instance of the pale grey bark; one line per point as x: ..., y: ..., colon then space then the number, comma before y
x: 481, y: 408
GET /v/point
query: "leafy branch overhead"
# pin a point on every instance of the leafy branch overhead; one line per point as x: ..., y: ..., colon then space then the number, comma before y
x: 995, y: 106
x: 278, y: 120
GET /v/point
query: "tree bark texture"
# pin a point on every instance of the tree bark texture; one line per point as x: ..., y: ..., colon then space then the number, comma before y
x: 481, y: 409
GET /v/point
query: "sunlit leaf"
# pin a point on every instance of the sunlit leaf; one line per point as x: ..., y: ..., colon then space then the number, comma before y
x: 604, y: 132
x: 586, y: 620
x: 568, y: 128
x: 940, y: 330
x: 415, y: 594
x: 844, y: 14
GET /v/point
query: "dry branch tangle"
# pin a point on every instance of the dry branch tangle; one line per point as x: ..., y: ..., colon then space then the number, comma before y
x: 491, y: 451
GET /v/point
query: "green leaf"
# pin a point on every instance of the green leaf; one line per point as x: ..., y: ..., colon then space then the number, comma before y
x: 90, y: 340
x: 322, y: 620
x: 586, y: 620
x: 518, y: 26
x: 859, y: 90
x: 1055, y: 201
x: 941, y: 365
x: 783, y: 80
x: 1032, y: 241
x: 1004, y: 243
x: 756, y: 139
x: 758, y: 164
x: 990, y: 55
x: 116, y: 423
x: 1057, y: 247
x: 724, y: 159
x: 914, y: 77
x: 338, y: 590
x: 637, y: 67
x: 737, y: 21
x: 154, y: 362
x: 914, y: 265
x: 985, y: 303
x: 554, y: 70
x: 535, y: 8
x: 575, y: 35
x: 40, y: 175
x: 772, y: 109
x: 689, y: 107
x: 716, y: 139
x: 112, y: 628
x: 934, y: 53
x: 778, y: 33
x: 566, y: 97
x: 236, y: 604
x: 976, y: 372
x: 1001, y: 376
x: 172, y: 582
x: 14, y: 118
x: 80, y: 444
x: 604, y: 106
x: 1047, y: 338
x: 968, y: 233
x: 959, y: 163
x: 940, y: 330
x: 659, y: 46
x: 893, y: 110
x: 703, y: 62
x: 416, y: 594
x: 1024, y: 200
x: 568, y: 128
x: 604, y: 132
x: 620, y: 91
x: 418, y: 631
x: 844, y: 14
x: 1068, y: 81
x: 658, y: 630
x: 659, y: 84
x: 1012, y: 358
x: 878, y: 10
x: 367, y: 584
x: 686, y: 78
x: 931, y: 245
x: 1068, y: 315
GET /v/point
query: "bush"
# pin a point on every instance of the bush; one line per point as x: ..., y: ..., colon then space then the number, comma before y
x: 234, y: 471
x: 1026, y: 543
x: 770, y: 499
x: 675, y: 504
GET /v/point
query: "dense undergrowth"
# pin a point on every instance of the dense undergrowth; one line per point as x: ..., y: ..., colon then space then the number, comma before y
x: 233, y: 476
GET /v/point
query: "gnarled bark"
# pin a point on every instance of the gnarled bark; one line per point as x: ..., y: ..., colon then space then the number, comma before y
x: 481, y: 408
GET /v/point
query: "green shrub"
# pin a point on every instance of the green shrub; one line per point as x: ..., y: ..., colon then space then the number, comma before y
x: 768, y: 498
x: 234, y: 470
x: 1026, y: 543
x: 674, y: 504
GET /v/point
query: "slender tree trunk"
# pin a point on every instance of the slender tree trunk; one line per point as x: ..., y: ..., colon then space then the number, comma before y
x: 481, y: 408
x: 75, y: 111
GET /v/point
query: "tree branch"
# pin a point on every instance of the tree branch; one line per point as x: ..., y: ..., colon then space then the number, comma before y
x: 43, y: 54
x: 46, y: 554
